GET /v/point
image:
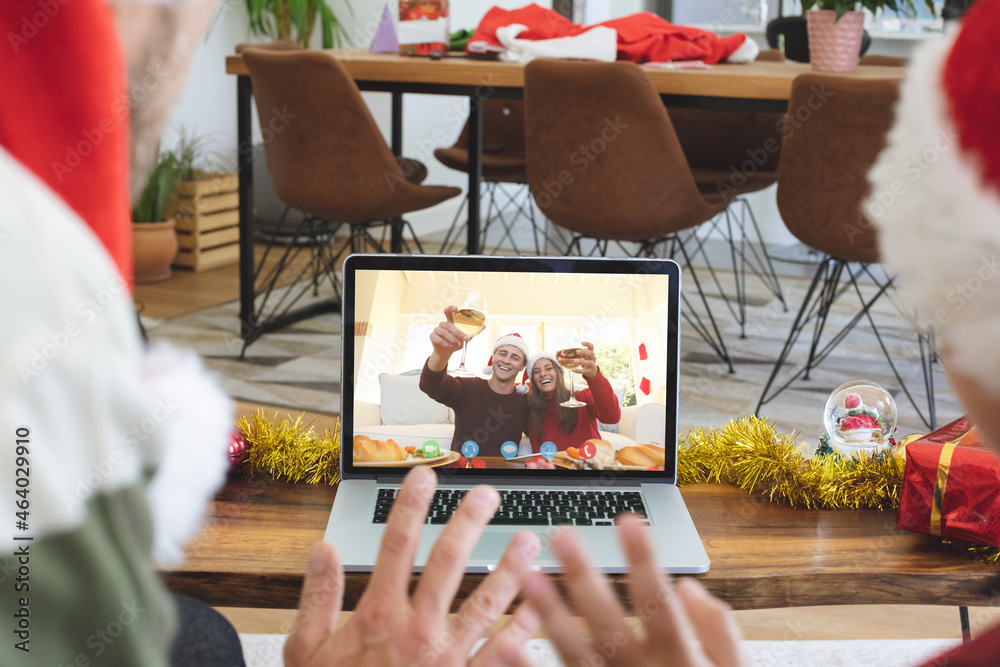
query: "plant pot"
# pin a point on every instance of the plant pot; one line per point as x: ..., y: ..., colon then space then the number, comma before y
x: 834, y: 46
x: 154, y: 246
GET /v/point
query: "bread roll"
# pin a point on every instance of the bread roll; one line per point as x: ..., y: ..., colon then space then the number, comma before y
x: 367, y: 450
x: 642, y: 455
x: 605, y: 452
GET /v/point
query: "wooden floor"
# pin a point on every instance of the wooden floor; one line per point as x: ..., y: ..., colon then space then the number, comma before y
x: 187, y: 292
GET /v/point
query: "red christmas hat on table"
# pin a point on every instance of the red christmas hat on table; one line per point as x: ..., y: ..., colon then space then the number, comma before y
x: 935, y: 195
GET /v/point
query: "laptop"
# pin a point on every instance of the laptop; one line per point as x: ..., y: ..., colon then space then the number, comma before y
x: 630, y: 310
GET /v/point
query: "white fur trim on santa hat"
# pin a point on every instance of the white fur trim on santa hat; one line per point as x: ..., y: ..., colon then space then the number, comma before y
x: 538, y: 357
x: 938, y: 227
x: 747, y: 53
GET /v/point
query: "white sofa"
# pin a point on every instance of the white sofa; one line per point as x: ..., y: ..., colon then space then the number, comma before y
x: 410, y: 418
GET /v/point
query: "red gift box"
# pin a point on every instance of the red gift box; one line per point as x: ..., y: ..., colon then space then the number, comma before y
x: 951, y: 486
x: 423, y: 27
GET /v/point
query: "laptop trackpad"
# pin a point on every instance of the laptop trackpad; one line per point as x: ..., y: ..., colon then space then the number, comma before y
x: 490, y: 548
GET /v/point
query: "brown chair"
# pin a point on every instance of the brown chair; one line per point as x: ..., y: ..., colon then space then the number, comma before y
x: 328, y: 159
x: 876, y: 60
x: 415, y: 171
x: 604, y: 162
x: 822, y: 182
x: 731, y: 154
x: 502, y: 165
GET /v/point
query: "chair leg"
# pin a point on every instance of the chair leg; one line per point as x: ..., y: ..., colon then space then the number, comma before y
x: 801, y: 319
x: 834, y: 278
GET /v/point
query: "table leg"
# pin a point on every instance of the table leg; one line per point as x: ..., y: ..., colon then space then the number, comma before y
x: 244, y: 153
x: 963, y: 617
x: 475, y: 171
x: 396, y: 238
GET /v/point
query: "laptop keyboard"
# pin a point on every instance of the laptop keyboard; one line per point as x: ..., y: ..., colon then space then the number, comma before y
x: 532, y: 508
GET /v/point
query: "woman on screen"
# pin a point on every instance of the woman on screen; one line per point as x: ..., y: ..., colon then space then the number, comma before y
x: 550, y: 418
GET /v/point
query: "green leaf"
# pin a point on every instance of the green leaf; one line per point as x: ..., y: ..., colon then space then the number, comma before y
x: 298, y: 9
x: 328, y: 20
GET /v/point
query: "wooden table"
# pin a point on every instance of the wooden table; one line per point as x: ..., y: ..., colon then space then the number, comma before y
x: 757, y: 86
x: 253, y: 553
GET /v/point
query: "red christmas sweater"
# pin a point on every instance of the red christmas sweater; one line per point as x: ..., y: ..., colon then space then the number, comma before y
x: 602, y: 404
x: 983, y: 651
x: 65, y: 107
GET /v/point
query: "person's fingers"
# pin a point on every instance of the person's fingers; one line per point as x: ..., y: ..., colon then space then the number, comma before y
x: 560, y: 627
x: 492, y: 597
x: 714, y: 623
x: 456, y: 333
x: 591, y: 593
x: 444, y: 336
x: 449, y: 312
x: 446, y: 564
x: 394, y: 565
x: 652, y: 593
x: 504, y: 648
x: 319, y: 604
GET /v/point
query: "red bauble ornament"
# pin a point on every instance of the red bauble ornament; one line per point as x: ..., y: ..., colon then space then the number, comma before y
x: 469, y: 463
x: 237, y: 448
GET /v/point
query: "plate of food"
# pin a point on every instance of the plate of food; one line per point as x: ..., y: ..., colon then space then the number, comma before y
x: 604, y: 456
x: 388, y: 454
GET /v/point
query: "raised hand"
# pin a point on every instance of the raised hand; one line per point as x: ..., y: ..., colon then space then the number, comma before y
x: 588, y: 362
x: 675, y: 619
x: 391, y: 627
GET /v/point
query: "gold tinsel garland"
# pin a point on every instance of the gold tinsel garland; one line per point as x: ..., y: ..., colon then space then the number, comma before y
x: 750, y: 454
x: 747, y: 452
x: 289, y: 450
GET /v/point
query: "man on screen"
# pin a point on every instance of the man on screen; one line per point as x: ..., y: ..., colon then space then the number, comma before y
x: 488, y: 412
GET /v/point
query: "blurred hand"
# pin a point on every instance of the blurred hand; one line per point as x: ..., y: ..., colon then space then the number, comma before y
x: 588, y: 363
x: 447, y: 339
x: 674, y: 620
x: 390, y: 626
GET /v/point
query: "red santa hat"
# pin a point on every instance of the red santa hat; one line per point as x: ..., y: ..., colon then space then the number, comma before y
x: 513, y: 340
x: 935, y: 194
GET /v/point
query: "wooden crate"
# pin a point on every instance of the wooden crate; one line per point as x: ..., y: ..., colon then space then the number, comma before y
x: 208, y: 218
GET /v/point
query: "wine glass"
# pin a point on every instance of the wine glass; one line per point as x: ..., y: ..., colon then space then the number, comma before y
x: 569, y: 354
x: 470, y: 318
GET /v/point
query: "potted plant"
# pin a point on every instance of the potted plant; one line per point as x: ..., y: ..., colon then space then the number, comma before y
x: 836, y: 28
x: 154, y: 243
x: 205, y: 206
x: 278, y: 18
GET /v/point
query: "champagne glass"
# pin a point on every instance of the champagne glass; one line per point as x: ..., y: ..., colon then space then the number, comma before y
x: 470, y: 318
x: 568, y: 355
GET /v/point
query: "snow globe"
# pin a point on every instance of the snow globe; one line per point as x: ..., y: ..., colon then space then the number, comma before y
x: 860, y: 416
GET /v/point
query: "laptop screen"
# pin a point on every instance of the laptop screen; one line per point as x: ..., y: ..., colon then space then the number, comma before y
x: 568, y: 366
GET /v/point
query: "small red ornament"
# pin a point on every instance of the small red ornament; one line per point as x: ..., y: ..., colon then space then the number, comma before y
x: 852, y: 401
x: 469, y: 463
x: 644, y: 386
x: 642, y: 352
x: 237, y: 449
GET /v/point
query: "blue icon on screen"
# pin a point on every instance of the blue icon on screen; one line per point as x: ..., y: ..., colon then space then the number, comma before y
x: 470, y: 449
x: 548, y: 449
x: 509, y: 449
